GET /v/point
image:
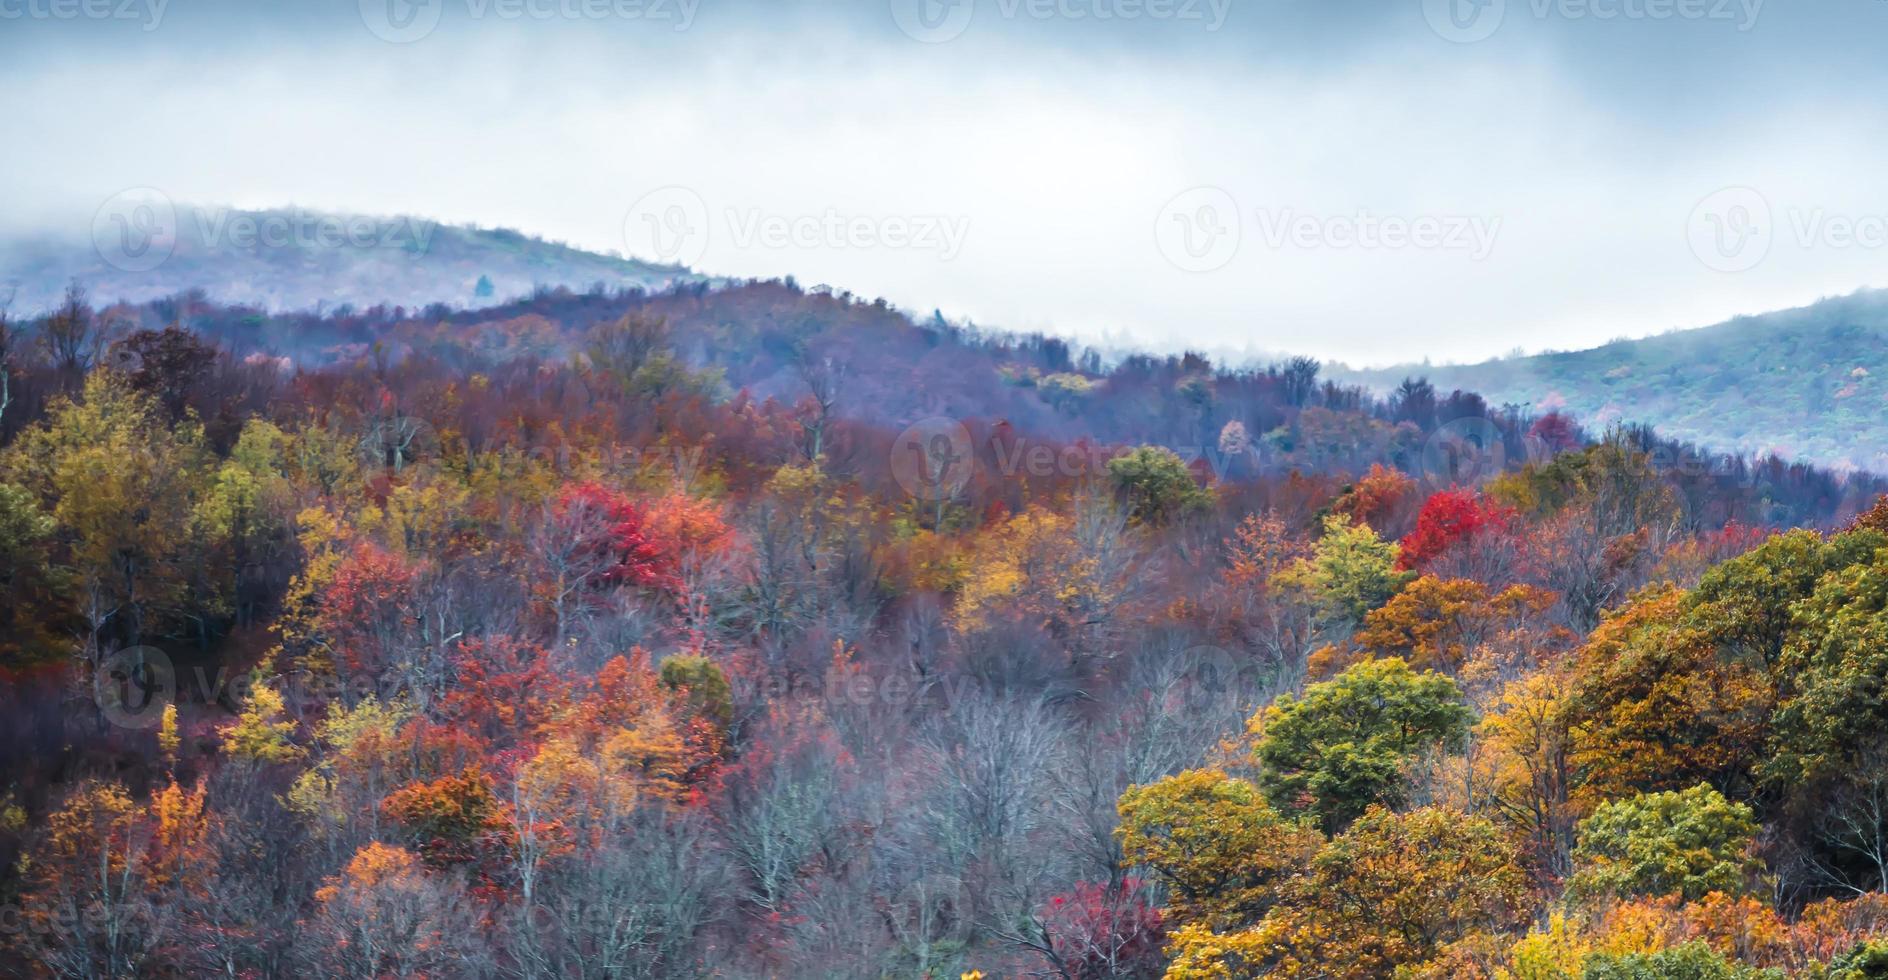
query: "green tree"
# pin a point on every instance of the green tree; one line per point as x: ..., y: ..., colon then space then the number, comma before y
x: 1836, y: 658
x: 1687, y: 843
x: 1350, y: 573
x: 28, y: 580
x: 1692, y: 961
x: 1867, y: 961
x: 1343, y: 745
x: 1158, y: 486
x: 702, y: 684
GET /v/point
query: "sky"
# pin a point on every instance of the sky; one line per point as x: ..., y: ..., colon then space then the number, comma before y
x: 1371, y: 181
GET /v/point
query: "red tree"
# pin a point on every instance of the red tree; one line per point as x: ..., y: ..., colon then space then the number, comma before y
x: 1449, y: 519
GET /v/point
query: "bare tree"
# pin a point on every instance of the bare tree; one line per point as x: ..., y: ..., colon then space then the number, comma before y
x: 71, y: 335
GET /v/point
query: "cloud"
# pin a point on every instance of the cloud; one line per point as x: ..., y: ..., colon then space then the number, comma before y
x: 1349, y: 136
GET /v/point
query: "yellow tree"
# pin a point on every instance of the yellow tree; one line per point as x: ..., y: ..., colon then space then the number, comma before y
x: 123, y: 482
x: 1222, y: 851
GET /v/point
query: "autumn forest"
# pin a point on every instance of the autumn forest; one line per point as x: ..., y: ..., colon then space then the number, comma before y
x: 759, y: 631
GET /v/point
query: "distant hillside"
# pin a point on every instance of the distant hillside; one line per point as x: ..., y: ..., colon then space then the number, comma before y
x: 297, y: 260
x: 1808, y: 384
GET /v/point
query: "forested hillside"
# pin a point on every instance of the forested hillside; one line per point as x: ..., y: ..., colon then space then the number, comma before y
x: 764, y: 632
x: 1806, y: 383
x: 299, y: 259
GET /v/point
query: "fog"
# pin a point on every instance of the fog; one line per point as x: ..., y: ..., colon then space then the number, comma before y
x: 1376, y: 186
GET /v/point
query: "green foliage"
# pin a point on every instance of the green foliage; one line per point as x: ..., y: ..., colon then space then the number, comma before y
x: 28, y: 582
x: 1745, y: 604
x: 1158, y: 486
x: 703, y: 685
x: 1835, y: 710
x: 1350, y: 573
x: 1867, y: 961
x: 1688, y: 843
x: 1692, y: 961
x: 1344, y: 744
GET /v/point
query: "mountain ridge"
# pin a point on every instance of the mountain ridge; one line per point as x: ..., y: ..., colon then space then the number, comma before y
x: 1808, y: 383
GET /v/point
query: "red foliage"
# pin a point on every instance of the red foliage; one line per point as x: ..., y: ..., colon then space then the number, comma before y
x: 1448, y: 519
x: 1555, y: 432
x: 1098, y: 931
x: 368, y: 606
x: 619, y: 535
x: 506, y: 689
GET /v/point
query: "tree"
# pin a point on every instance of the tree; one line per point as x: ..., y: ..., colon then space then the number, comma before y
x: 1350, y: 572
x: 1393, y: 892
x: 1223, y: 853
x: 1529, y: 760
x: 1656, y: 706
x: 260, y: 734
x: 1437, y: 624
x: 1687, y: 843
x: 1342, y: 746
x: 124, y: 482
x: 1097, y: 932
x: 1450, y: 520
x: 448, y: 820
x: 88, y: 903
x: 592, y: 539
x: 385, y: 915
x: 71, y: 336
x: 168, y: 364
x: 29, y: 583
x: 1158, y: 486
x: 1692, y: 961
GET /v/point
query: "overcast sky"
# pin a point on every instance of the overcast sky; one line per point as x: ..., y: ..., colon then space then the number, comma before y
x: 1366, y: 180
